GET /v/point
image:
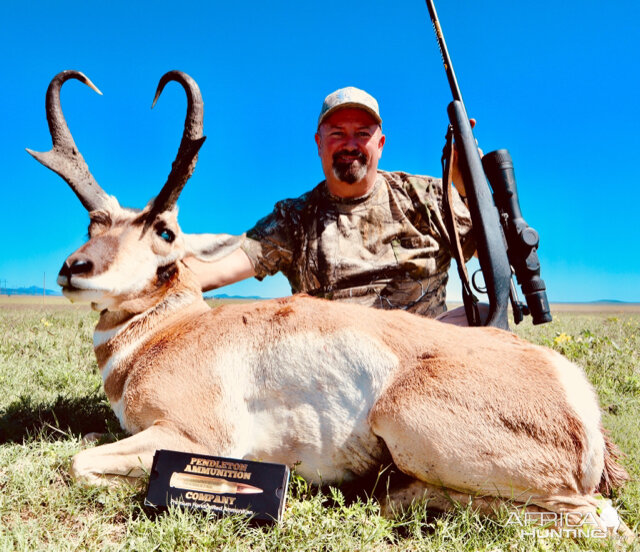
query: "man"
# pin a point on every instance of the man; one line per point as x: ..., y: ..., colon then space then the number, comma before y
x: 362, y: 235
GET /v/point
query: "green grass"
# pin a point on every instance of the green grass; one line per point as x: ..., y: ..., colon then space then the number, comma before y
x: 50, y: 394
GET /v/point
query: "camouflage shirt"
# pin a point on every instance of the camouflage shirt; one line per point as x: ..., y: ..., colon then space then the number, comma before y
x: 388, y: 249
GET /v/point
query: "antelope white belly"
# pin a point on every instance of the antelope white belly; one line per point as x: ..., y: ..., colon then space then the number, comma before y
x: 309, y: 402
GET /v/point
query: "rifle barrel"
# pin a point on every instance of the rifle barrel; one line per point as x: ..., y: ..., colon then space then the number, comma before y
x: 446, y: 60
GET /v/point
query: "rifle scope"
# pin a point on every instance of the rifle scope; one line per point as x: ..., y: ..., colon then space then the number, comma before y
x: 522, y: 240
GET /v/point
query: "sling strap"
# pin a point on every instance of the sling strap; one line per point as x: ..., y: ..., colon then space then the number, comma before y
x: 469, y: 299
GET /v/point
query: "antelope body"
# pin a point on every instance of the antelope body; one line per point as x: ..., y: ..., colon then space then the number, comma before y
x: 473, y: 414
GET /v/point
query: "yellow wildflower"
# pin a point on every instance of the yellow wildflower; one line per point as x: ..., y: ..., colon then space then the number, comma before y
x: 562, y: 338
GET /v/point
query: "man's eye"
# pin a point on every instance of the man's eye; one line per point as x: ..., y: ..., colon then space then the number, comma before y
x: 364, y: 134
x: 167, y: 235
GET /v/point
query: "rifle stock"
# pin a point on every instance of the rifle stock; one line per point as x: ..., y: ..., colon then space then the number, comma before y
x: 487, y: 231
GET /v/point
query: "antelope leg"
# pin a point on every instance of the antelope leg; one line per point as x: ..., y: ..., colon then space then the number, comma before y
x: 129, y: 459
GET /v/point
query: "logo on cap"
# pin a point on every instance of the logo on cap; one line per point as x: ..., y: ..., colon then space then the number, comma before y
x: 349, y: 97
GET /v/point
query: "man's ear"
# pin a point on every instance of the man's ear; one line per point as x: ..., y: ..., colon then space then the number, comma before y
x: 211, y: 247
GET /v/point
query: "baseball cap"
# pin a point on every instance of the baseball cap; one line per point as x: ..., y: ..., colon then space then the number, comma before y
x: 349, y: 97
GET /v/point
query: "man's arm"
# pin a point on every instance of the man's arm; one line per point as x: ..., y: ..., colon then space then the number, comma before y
x: 230, y: 269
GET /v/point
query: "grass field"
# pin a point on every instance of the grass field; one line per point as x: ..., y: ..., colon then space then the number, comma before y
x: 50, y: 394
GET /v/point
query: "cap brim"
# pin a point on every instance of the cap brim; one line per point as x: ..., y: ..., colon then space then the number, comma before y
x: 355, y: 105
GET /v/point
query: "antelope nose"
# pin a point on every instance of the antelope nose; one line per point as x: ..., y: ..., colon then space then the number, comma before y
x: 78, y: 266
x: 64, y: 271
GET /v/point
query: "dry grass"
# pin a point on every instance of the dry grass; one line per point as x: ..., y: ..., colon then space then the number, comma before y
x: 55, y: 302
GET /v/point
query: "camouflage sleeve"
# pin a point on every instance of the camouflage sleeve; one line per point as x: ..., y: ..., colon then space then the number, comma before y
x: 268, y: 244
x: 426, y: 193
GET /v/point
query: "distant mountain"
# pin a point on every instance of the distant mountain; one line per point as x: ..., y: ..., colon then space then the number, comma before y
x: 225, y: 296
x: 35, y: 290
x: 32, y: 290
x: 604, y: 303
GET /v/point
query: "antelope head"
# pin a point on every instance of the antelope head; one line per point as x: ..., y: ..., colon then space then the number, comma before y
x: 132, y: 258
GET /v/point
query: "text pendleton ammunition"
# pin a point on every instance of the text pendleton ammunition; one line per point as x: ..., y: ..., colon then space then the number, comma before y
x: 210, y: 484
x: 218, y: 485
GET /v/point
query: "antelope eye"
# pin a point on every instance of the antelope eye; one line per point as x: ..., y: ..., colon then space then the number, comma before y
x: 96, y: 223
x: 167, y: 235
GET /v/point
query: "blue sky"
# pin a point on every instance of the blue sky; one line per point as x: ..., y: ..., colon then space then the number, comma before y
x: 554, y: 82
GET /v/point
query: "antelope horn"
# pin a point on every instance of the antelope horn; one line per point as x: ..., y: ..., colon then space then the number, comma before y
x: 64, y: 158
x: 192, y: 139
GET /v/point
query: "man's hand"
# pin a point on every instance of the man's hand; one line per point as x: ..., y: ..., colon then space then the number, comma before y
x: 456, y: 174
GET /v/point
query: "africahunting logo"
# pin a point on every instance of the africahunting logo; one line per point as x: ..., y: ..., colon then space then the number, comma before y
x: 569, y: 524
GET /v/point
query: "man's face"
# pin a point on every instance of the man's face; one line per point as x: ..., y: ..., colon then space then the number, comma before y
x: 350, y: 144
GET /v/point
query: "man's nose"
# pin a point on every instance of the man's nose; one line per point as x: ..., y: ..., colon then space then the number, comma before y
x: 352, y: 142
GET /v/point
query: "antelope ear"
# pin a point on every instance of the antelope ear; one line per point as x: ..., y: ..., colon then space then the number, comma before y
x: 211, y: 247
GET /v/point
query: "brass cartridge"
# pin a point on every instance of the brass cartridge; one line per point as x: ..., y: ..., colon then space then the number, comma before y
x: 203, y: 483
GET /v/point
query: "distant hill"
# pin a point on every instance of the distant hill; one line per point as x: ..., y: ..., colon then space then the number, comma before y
x: 35, y: 290
x: 225, y: 296
x: 597, y: 302
x: 32, y: 290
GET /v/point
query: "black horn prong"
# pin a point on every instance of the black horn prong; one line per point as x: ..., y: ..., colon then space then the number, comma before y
x: 64, y: 157
x: 192, y: 139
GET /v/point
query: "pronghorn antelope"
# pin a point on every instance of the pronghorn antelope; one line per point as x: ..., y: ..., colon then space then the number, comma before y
x: 473, y: 414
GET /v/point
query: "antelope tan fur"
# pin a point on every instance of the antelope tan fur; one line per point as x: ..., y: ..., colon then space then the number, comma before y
x: 469, y: 414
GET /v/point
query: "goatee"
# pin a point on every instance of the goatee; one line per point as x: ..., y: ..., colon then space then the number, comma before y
x: 349, y: 166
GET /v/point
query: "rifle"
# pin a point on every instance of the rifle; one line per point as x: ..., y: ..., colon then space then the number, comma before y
x: 506, y: 244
